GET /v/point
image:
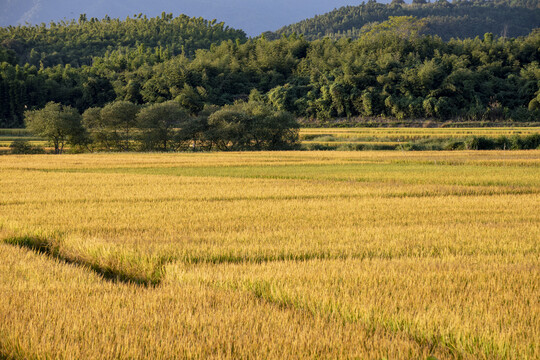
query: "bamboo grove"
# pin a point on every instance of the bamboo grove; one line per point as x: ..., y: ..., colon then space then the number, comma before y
x: 448, y: 19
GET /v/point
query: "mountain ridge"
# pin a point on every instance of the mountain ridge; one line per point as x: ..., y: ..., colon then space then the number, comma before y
x: 459, y: 19
x: 254, y: 17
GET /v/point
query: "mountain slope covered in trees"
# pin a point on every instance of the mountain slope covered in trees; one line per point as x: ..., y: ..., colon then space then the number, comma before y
x: 457, y: 19
x: 252, y: 16
x: 77, y: 42
x: 391, y: 72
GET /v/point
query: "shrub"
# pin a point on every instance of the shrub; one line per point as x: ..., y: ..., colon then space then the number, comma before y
x: 503, y: 143
x: 455, y: 145
x: 531, y: 142
x: 24, y: 147
x: 320, y: 147
x: 479, y: 143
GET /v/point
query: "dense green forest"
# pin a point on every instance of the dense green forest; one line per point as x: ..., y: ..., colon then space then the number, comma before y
x: 77, y: 43
x: 392, y: 71
x: 456, y: 19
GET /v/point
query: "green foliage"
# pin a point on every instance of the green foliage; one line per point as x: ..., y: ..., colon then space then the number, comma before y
x: 101, y: 136
x: 254, y: 126
x: 170, y: 127
x: 392, y: 71
x: 479, y: 143
x: 120, y: 118
x: 77, y: 43
x: 404, y: 27
x: 456, y: 19
x: 21, y: 146
x: 82, y: 64
x: 516, y: 142
x: 162, y: 125
x: 60, y: 124
x: 192, y: 99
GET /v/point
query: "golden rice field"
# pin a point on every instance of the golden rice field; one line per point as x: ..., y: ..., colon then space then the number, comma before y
x: 369, y: 255
x: 392, y: 138
x: 406, y: 133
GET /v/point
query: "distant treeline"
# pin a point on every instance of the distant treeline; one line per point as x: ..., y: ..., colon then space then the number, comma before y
x: 392, y: 71
x: 456, y: 19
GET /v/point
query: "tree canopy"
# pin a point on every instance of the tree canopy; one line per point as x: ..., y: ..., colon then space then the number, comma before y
x: 77, y: 42
x: 447, y: 19
x: 59, y: 124
x: 392, y: 70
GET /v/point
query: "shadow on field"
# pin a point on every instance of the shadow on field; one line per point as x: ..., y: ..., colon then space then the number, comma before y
x: 44, y: 246
x: 260, y: 290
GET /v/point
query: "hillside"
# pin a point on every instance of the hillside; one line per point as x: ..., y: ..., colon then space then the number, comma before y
x: 459, y: 19
x: 392, y: 72
x: 252, y: 16
x: 77, y: 42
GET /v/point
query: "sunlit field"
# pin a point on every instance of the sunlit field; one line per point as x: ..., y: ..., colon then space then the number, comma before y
x: 416, y: 133
x: 370, y: 255
x: 396, y: 138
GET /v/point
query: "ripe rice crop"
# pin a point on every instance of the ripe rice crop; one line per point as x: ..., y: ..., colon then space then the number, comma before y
x: 395, y: 138
x: 414, y: 133
x: 271, y: 255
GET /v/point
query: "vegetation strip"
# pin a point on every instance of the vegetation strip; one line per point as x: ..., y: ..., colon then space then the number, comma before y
x: 261, y: 291
x: 477, y: 191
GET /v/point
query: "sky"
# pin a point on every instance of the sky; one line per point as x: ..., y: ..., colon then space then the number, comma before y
x: 252, y: 16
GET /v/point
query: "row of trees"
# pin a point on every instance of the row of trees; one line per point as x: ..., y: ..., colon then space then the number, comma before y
x: 125, y: 126
x: 447, y: 19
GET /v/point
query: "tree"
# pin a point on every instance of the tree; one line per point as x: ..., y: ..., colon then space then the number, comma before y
x: 272, y: 130
x: 120, y: 117
x: 228, y: 129
x: 133, y: 92
x: 99, y: 134
x: 254, y: 125
x: 60, y: 124
x: 192, y: 99
x: 160, y: 124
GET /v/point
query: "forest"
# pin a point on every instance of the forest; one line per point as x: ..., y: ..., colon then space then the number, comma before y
x: 77, y: 43
x: 456, y: 19
x: 393, y: 70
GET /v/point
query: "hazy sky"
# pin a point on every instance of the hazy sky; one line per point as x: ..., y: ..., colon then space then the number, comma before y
x: 253, y: 16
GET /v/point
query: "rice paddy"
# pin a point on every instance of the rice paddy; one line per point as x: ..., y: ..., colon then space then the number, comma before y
x: 407, y: 133
x: 400, y: 138
x: 371, y: 255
